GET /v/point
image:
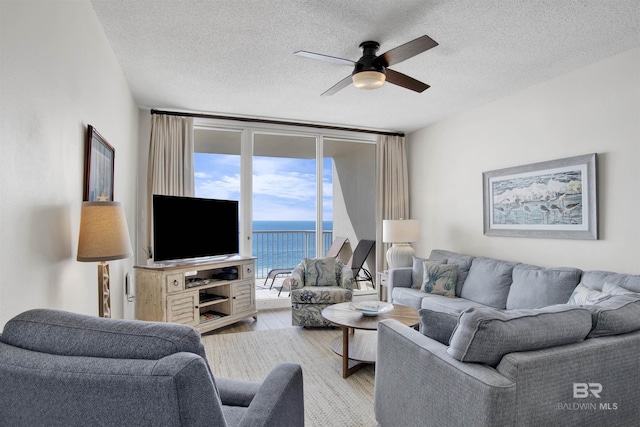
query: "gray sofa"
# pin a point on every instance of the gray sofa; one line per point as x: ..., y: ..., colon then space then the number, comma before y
x: 65, y: 369
x: 508, y: 350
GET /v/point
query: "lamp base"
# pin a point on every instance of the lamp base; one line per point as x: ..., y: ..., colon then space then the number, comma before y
x: 104, y: 290
x: 400, y: 255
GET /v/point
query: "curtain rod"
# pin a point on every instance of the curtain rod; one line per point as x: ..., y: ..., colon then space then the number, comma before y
x: 273, y: 122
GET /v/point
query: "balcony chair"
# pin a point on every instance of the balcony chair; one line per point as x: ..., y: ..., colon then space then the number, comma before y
x: 360, y: 255
x: 67, y: 369
x: 333, y: 251
x: 317, y: 284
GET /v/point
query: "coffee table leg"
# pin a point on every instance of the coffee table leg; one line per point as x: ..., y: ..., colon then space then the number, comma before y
x: 345, y: 352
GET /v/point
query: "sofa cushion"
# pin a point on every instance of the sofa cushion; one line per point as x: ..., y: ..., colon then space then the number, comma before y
x: 417, y: 271
x: 321, y: 295
x: 583, y: 295
x: 320, y: 272
x: 613, y: 289
x: 596, y: 280
x: 616, y: 315
x: 448, y: 305
x: 71, y: 334
x: 439, y: 279
x: 535, y: 287
x: 488, y: 282
x: 408, y: 296
x: 485, y: 335
x: 437, y: 325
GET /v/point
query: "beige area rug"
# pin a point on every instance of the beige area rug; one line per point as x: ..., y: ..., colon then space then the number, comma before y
x: 329, y: 399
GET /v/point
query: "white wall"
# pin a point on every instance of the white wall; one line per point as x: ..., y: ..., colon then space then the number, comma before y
x: 594, y: 109
x: 58, y: 75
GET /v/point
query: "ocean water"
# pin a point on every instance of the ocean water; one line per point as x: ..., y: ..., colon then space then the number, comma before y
x: 283, y: 244
x: 290, y: 225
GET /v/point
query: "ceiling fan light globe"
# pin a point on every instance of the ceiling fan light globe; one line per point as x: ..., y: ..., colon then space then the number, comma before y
x: 368, y: 79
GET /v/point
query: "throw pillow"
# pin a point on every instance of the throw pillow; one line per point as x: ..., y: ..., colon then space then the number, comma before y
x: 612, y: 289
x: 320, y: 272
x: 616, y: 315
x: 439, y: 279
x: 583, y: 295
x: 417, y: 271
x: 485, y: 335
x: 437, y: 325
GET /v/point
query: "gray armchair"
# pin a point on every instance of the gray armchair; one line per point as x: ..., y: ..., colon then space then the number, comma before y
x: 66, y: 369
x: 316, y: 284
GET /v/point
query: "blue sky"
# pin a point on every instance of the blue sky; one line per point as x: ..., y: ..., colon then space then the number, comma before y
x: 283, y: 188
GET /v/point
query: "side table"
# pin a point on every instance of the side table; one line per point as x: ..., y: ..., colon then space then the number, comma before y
x: 383, y: 286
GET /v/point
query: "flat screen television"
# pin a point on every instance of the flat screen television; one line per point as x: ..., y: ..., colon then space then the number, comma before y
x: 188, y: 228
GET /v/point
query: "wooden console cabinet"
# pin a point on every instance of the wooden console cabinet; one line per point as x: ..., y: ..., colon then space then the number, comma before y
x: 205, y: 295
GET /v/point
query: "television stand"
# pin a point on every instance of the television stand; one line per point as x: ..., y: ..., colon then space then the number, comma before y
x: 204, y: 294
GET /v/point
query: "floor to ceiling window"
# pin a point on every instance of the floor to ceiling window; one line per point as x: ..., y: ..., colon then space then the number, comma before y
x: 297, y: 189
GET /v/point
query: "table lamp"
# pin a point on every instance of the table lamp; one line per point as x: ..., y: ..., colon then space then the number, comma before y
x: 104, y: 236
x: 400, y: 232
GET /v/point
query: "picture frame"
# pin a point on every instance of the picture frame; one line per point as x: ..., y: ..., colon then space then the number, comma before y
x: 553, y: 199
x: 98, y: 167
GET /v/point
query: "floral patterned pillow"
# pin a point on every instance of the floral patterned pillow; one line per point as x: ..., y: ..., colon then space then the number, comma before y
x: 439, y: 279
x: 583, y: 295
x: 320, y: 272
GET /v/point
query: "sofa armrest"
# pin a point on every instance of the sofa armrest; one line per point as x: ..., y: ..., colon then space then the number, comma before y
x: 297, y: 277
x: 546, y: 379
x: 398, y: 278
x: 235, y: 392
x: 280, y: 399
x: 418, y: 383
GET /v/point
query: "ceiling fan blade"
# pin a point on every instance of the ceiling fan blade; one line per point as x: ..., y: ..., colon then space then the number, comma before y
x: 335, y: 60
x: 338, y: 86
x: 405, y: 81
x: 407, y: 50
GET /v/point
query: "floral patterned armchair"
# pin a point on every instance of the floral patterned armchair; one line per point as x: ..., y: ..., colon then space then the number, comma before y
x: 316, y: 284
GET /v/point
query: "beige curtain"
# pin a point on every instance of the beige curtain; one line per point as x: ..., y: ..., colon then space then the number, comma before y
x: 392, y: 187
x: 170, y: 167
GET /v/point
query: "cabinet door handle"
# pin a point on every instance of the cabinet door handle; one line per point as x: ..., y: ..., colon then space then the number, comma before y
x: 175, y: 283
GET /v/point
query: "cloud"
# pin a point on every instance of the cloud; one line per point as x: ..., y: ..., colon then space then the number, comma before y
x: 283, y: 188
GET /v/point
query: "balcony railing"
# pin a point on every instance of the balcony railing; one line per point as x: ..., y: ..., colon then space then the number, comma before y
x: 285, y: 249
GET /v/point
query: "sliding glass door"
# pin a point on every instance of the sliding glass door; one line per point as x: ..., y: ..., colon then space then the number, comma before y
x: 284, y: 200
x: 297, y: 189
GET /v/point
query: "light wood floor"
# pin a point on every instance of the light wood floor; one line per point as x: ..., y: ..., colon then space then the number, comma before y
x: 267, y: 319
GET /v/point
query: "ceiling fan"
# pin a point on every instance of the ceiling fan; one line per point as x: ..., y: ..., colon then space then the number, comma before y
x: 371, y: 70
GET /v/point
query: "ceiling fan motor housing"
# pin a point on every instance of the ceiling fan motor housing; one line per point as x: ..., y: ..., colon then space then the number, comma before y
x: 368, y: 60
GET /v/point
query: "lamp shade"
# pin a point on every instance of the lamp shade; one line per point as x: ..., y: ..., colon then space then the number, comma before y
x: 400, y: 230
x: 368, y: 79
x: 104, y: 234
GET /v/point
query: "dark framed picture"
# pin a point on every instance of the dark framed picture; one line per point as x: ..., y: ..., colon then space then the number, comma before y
x: 554, y: 199
x: 98, y: 168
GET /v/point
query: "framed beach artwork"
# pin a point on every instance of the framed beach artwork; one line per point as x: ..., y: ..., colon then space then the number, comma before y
x: 554, y: 199
x: 98, y: 168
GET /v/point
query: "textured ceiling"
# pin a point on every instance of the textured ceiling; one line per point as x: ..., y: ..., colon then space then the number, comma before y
x: 235, y: 57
